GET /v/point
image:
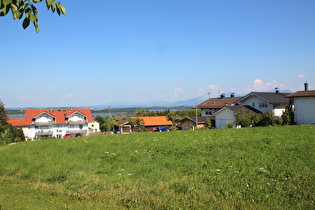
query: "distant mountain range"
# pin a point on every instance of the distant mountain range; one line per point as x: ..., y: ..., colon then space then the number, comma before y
x: 148, y: 104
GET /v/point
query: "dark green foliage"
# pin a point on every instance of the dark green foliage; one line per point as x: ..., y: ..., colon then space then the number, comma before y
x: 3, y: 114
x: 208, y: 123
x: 288, y: 115
x: 110, y: 124
x: 244, y: 118
x: 8, y: 133
x: 267, y: 119
x: 20, y: 8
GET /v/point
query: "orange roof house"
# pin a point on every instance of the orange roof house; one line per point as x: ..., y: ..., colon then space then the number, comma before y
x: 155, y: 121
x: 17, y: 122
x: 55, y: 122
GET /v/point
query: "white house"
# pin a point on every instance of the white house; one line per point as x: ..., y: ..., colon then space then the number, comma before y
x: 56, y: 123
x: 211, y: 105
x: 304, y: 104
x: 226, y: 114
x: 266, y: 101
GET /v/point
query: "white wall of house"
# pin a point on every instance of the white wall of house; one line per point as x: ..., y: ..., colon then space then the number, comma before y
x: 258, y: 103
x: 304, y: 110
x: 76, y: 117
x: 94, y: 127
x: 222, y: 117
x: 43, y: 118
x: 44, y: 125
x: 208, y: 112
x: 278, y: 110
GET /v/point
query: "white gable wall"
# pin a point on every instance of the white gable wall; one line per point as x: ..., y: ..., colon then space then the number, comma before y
x: 44, y: 118
x: 223, y: 116
x: 258, y: 103
x: 304, y: 110
x: 76, y: 117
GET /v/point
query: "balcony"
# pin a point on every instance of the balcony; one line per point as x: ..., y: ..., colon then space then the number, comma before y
x: 44, y: 133
x: 44, y: 123
x: 80, y: 122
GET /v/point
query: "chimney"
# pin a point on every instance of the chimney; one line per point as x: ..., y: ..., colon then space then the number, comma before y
x: 306, y: 86
x: 232, y: 95
x: 222, y: 95
x: 277, y: 90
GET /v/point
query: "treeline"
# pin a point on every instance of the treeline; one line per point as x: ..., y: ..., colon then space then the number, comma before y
x: 129, y: 112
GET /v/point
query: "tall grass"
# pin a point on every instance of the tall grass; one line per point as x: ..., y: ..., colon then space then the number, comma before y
x: 250, y: 168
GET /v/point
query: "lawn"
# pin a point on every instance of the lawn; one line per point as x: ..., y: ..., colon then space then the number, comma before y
x: 248, y: 168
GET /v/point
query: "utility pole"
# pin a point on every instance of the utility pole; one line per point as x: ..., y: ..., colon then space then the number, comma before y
x: 196, y: 117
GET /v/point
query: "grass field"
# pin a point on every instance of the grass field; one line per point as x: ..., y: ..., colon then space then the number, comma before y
x: 249, y: 168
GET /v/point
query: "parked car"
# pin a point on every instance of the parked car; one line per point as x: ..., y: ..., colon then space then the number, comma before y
x: 160, y: 129
x: 78, y: 135
x: 67, y: 136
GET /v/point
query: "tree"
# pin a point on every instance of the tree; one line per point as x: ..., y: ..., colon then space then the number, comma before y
x: 8, y: 133
x: 109, y: 124
x: 267, y: 118
x: 20, y: 8
x: 243, y: 117
x: 208, y: 123
x: 175, y: 118
x: 101, y: 121
x: 142, y: 113
x: 3, y: 114
x: 135, y: 122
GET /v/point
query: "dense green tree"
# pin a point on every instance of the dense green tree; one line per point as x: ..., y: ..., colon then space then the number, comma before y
x: 208, y: 123
x: 142, y: 113
x: 175, y: 118
x: 267, y: 119
x: 8, y: 133
x: 243, y: 117
x: 109, y: 124
x: 3, y: 114
x: 101, y: 121
x: 135, y: 122
x: 26, y: 8
x: 288, y: 115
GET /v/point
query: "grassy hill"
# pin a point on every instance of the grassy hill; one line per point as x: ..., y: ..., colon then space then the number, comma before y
x: 249, y: 168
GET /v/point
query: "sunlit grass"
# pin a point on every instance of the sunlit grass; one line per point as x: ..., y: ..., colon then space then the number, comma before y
x: 231, y: 168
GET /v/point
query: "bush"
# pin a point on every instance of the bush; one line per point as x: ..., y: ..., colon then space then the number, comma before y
x: 229, y: 124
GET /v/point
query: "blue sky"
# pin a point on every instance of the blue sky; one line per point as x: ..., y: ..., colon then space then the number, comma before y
x: 139, y: 51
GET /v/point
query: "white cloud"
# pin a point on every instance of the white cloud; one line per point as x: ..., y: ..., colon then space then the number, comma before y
x: 301, y: 76
x: 259, y: 85
x: 177, y: 89
x: 213, y: 87
x: 69, y: 95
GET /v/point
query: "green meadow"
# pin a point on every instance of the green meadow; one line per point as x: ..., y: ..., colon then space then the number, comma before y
x: 248, y: 168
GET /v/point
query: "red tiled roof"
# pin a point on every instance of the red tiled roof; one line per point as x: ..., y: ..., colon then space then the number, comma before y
x: 155, y: 121
x: 308, y: 93
x: 17, y: 122
x: 59, y: 114
x: 217, y: 103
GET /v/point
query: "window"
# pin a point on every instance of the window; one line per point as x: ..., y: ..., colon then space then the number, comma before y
x: 208, y: 113
x: 253, y: 103
x: 263, y: 104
